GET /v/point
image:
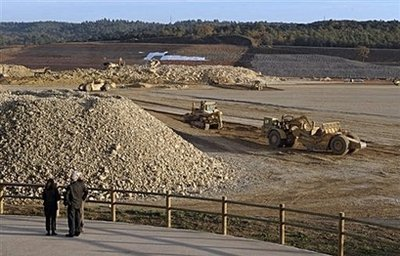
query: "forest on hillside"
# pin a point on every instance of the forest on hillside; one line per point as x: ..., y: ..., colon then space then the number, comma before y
x: 331, y: 33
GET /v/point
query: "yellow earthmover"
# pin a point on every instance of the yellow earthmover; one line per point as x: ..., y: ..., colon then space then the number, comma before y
x: 327, y: 137
x: 96, y: 85
x: 206, y: 116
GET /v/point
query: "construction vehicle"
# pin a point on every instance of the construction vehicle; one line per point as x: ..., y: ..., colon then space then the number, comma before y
x: 41, y: 71
x: 111, y: 65
x: 96, y: 85
x: 328, y: 137
x: 206, y: 116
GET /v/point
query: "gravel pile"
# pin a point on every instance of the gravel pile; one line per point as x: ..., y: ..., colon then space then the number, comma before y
x: 111, y: 140
x: 163, y: 75
x: 16, y: 71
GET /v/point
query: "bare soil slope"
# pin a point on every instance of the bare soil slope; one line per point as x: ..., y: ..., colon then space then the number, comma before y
x: 93, y: 55
x: 313, y: 65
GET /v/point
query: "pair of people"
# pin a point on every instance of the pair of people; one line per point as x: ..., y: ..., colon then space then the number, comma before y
x: 74, y: 196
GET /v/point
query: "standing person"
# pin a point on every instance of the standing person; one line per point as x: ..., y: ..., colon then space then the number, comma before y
x: 75, y: 194
x: 50, y: 197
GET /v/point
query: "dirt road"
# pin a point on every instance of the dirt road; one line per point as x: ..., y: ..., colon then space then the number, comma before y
x: 362, y: 185
x: 313, y: 181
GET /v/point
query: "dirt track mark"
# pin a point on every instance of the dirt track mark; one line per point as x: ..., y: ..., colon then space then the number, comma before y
x: 291, y: 107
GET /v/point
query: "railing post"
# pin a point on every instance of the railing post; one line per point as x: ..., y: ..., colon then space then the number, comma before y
x: 168, y: 209
x: 341, y: 235
x: 224, y: 216
x: 2, y: 188
x: 282, y: 224
x: 113, y: 206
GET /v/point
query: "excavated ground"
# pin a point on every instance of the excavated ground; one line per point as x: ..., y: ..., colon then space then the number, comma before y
x: 364, y: 184
x: 111, y: 140
x: 308, y: 180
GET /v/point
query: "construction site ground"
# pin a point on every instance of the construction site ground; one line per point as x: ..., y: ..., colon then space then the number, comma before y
x: 363, y: 185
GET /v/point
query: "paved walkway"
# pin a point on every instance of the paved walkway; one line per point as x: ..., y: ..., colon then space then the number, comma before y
x: 22, y: 235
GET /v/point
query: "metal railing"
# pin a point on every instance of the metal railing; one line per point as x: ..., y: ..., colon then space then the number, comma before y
x: 224, y: 202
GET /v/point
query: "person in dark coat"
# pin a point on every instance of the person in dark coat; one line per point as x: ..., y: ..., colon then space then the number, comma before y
x: 50, y: 197
x: 75, y: 194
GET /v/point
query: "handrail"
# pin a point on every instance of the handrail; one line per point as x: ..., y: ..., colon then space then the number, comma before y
x: 20, y: 184
x: 141, y: 205
x: 253, y: 218
x: 253, y: 205
x: 97, y: 201
x: 192, y: 210
x: 224, y: 213
x: 196, y: 198
x: 312, y: 213
x: 139, y: 192
x: 22, y: 197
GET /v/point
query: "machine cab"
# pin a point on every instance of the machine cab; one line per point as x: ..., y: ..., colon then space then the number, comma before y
x: 208, y: 106
x: 269, y: 122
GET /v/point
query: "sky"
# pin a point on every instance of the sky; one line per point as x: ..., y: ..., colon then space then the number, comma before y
x: 297, y: 11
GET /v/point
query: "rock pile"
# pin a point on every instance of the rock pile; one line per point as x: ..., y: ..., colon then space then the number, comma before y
x: 163, y: 75
x: 111, y: 140
x: 15, y: 71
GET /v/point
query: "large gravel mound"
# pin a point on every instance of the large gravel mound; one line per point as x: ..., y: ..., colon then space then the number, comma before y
x: 111, y: 140
x: 16, y: 71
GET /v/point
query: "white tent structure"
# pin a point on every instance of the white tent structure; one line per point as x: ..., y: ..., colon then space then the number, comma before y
x: 164, y: 56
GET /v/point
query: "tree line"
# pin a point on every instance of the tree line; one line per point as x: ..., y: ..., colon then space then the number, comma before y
x: 331, y: 33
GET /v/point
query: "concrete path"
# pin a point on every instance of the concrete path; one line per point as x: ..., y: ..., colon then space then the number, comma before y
x: 22, y: 235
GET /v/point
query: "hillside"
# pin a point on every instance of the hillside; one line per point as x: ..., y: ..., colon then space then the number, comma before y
x: 70, y: 56
x: 376, y: 55
x: 313, y: 65
x: 332, y: 33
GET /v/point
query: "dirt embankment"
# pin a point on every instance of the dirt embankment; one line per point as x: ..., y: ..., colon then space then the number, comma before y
x: 312, y: 65
x: 68, y: 56
x: 175, y: 76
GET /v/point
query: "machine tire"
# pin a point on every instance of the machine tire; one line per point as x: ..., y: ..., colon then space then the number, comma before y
x: 355, y: 137
x: 106, y: 87
x: 290, y: 140
x: 274, y: 139
x: 88, y: 87
x: 187, y: 118
x: 339, y: 145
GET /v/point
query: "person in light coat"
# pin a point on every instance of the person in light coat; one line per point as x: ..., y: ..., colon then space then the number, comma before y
x: 75, y: 194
